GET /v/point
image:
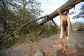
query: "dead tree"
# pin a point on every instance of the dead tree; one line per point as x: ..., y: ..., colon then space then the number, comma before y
x: 64, y: 35
x: 64, y: 23
x: 65, y: 7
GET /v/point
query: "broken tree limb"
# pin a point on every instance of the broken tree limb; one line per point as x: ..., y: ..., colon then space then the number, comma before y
x: 7, y: 36
x: 63, y: 45
x: 65, y: 7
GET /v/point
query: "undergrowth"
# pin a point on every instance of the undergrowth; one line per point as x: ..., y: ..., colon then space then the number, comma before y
x: 30, y: 33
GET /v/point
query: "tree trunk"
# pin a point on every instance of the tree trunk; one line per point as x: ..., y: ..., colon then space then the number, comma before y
x: 65, y: 7
x: 63, y: 46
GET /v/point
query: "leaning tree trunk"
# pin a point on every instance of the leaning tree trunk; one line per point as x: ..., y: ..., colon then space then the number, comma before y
x: 65, y: 7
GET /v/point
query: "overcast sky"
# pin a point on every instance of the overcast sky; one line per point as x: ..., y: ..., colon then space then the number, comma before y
x: 48, y: 6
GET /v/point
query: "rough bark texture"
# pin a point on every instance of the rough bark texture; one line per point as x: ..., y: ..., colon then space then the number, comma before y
x: 65, y: 7
x: 63, y: 45
x: 64, y: 28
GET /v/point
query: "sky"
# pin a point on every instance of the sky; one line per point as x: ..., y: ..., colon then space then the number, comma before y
x: 48, y: 6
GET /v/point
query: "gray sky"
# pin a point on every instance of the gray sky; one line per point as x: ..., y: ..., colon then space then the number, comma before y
x: 48, y: 6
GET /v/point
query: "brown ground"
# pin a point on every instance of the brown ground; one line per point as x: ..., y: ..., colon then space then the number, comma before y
x: 44, y: 45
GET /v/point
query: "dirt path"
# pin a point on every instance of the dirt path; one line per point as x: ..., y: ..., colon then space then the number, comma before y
x: 30, y: 49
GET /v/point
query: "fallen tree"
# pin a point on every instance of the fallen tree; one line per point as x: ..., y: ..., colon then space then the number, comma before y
x: 65, y: 7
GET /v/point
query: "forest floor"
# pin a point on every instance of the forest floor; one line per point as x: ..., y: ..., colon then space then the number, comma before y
x: 43, y: 46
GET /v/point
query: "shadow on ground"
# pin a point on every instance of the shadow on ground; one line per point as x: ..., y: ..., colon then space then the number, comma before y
x: 43, y: 46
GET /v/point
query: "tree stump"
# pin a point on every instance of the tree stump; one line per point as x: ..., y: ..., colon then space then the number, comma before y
x: 63, y: 46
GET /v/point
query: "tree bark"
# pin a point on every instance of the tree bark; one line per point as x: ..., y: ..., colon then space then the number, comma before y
x: 64, y: 35
x: 65, y: 7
